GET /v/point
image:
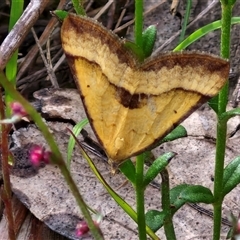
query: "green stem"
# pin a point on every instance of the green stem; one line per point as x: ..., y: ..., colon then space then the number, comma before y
x: 140, y: 197
x: 186, y: 18
x: 11, y: 67
x: 221, y: 125
x: 166, y: 206
x: 138, y: 29
x: 218, y: 179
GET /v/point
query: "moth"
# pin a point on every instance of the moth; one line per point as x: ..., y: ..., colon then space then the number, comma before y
x: 132, y: 105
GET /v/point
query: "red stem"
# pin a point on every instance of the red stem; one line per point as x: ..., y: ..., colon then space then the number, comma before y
x: 6, y: 190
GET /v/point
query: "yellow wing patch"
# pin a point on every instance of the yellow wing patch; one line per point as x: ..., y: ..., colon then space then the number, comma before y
x: 132, y: 105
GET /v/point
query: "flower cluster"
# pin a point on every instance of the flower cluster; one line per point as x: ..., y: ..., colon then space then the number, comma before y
x: 38, y: 154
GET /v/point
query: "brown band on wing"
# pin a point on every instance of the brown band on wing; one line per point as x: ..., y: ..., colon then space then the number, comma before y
x: 88, y: 28
x: 192, y: 59
x: 129, y: 100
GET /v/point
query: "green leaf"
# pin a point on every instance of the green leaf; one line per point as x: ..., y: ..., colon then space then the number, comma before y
x: 175, y: 192
x: 128, y: 169
x: 135, y: 49
x: 201, y: 32
x: 179, y: 195
x: 231, y: 176
x: 184, y: 193
x: 60, y: 14
x: 12, y: 65
x: 176, y: 133
x: 149, y: 38
x: 76, y: 130
x: 213, y: 104
x: 158, y: 165
x: 155, y: 219
x: 185, y: 20
x: 197, y: 193
x: 230, y: 233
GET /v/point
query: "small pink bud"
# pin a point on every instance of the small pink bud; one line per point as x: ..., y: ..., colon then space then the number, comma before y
x: 38, y: 155
x: 18, y: 109
x: 18, y: 113
x: 82, y: 227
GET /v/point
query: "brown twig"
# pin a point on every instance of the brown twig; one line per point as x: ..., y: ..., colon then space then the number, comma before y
x: 129, y: 23
x: 103, y: 9
x: 6, y: 191
x: 122, y: 14
x: 20, y: 30
x: 48, y: 66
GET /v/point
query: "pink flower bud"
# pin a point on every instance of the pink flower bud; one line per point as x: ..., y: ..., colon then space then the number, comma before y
x: 82, y: 227
x: 18, y: 113
x: 38, y: 154
x: 18, y: 109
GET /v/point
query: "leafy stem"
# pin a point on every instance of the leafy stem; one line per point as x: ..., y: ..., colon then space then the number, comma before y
x: 221, y: 125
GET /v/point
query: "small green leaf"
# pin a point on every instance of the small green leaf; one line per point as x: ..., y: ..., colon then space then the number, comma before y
x: 230, y: 233
x: 128, y: 169
x: 135, y: 49
x: 176, y: 133
x: 231, y: 176
x: 149, y: 38
x: 213, y: 103
x: 184, y: 193
x: 155, y: 219
x: 175, y: 192
x: 76, y: 130
x: 197, y: 193
x: 158, y: 165
x: 60, y: 14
